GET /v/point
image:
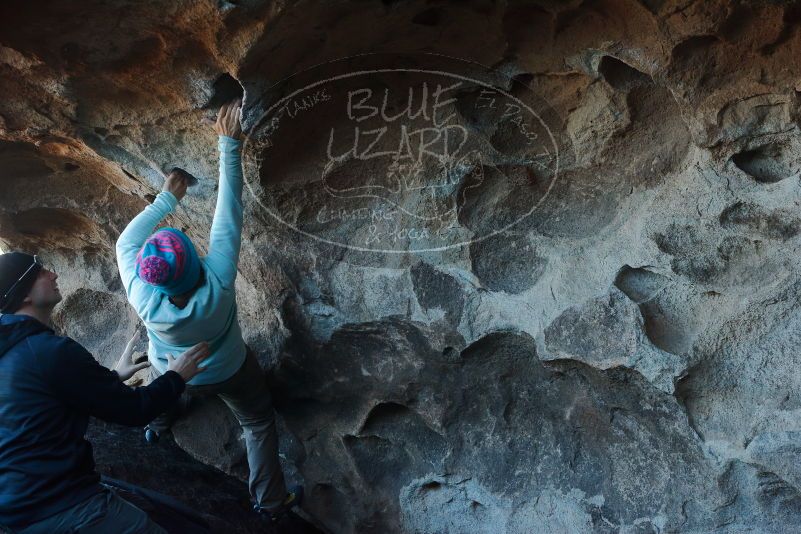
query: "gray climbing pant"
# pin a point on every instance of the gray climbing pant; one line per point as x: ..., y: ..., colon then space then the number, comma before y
x: 102, y: 513
x: 247, y: 396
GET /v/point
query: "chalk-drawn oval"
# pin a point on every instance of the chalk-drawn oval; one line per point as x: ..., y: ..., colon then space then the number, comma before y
x: 400, y: 156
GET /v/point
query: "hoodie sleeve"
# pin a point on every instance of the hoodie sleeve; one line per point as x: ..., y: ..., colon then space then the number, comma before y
x: 136, y: 233
x: 84, y: 384
x: 226, y: 227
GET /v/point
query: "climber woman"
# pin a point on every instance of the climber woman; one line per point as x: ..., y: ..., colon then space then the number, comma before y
x: 183, y: 299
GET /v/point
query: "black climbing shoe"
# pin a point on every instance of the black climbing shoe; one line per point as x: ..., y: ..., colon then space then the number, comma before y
x: 294, y: 497
x: 151, y: 436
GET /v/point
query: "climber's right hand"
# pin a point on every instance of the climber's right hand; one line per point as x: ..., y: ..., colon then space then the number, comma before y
x: 188, y: 364
x: 228, y: 121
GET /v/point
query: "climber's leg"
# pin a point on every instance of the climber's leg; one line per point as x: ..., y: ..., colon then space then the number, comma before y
x: 247, y: 396
x: 164, y: 421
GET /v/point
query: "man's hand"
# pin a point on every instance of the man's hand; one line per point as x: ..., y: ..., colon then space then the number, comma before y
x: 176, y: 183
x: 228, y: 120
x: 187, y: 364
x: 125, y: 366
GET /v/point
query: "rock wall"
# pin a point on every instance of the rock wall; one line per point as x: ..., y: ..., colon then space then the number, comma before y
x: 580, y: 316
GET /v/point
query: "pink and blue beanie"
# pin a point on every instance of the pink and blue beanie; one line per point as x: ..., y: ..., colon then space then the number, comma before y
x: 169, y: 262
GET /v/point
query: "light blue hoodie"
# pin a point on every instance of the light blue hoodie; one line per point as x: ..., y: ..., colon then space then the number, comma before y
x: 210, y: 315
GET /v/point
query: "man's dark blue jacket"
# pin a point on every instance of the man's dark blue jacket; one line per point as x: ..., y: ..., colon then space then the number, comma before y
x: 49, y: 386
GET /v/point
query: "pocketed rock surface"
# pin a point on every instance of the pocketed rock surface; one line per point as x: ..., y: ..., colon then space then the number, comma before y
x: 608, y: 344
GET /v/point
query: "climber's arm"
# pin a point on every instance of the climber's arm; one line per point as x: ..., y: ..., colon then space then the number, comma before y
x: 141, y: 227
x: 226, y: 228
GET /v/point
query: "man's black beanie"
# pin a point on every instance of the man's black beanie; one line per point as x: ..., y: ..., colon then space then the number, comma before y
x: 12, y: 266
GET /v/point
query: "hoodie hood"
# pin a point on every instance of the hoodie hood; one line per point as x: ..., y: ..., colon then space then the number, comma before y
x: 15, y: 328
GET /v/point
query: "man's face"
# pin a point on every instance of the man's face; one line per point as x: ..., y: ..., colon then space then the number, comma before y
x: 45, y: 292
